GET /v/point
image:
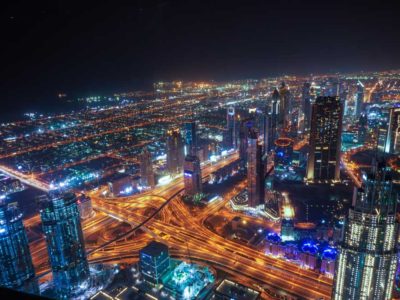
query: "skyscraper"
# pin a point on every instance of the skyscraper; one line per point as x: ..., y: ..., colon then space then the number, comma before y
x: 231, y: 127
x: 306, y: 98
x: 16, y: 268
x: 192, y: 175
x: 325, y: 140
x: 175, y: 151
x: 284, y: 105
x: 362, y: 128
x: 366, y: 264
x: 65, y: 243
x: 392, y: 144
x: 359, y: 98
x: 146, y: 169
x: 190, y: 138
x: 245, y: 126
x: 255, y: 170
x: 270, y: 123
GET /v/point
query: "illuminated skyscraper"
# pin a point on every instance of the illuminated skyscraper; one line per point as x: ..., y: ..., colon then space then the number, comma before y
x: 325, y: 140
x: 175, y: 151
x: 270, y: 123
x: 255, y: 170
x: 146, y: 169
x: 192, y: 175
x: 65, y: 243
x: 362, y: 128
x: 359, y: 98
x: 366, y: 264
x: 190, y: 138
x: 16, y: 268
x: 306, y: 98
x: 245, y: 126
x: 231, y: 128
x: 392, y: 143
x: 284, y: 105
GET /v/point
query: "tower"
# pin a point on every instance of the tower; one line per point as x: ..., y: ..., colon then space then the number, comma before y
x: 245, y: 126
x: 366, y: 264
x: 362, y: 128
x: 192, y: 175
x: 146, y: 169
x: 255, y: 170
x: 190, y: 138
x: 231, y: 128
x: 174, y: 151
x: 284, y: 105
x: 359, y: 98
x: 325, y: 140
x: 306, y: 98
x: 16, y: 267
x: 65, y: 244
x: 392, y: 143
x: 270, y: 123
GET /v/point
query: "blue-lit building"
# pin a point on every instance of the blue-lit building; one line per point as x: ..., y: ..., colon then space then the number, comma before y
x: 366, y: 264
x: 190, y: 138
x: 16, y: 268
x: 283, y: 153
x: 65, y: 244
x: 154, y: 262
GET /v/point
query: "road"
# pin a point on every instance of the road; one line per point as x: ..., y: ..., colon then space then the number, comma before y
x: 176, y: 226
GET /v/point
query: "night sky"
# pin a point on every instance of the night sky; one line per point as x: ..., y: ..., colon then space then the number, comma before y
x: 87, y: 47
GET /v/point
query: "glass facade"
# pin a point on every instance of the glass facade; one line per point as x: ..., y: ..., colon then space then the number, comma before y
x: 325, y: 140
x: 16, y: 268
x: 154, y: 262
x: 65, y: 243
x: 366, y: 264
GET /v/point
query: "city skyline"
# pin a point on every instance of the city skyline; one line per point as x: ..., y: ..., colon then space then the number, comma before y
x: 130, y: 46
x: 200, y: 150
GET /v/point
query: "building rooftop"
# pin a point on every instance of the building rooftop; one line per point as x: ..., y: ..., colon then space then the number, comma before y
x: 236, y: 291
x: 154, y: 248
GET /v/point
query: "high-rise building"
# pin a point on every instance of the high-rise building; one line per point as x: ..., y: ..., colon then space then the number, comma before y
x: 175, y: 151
x: 190, y: 138
x: 284, y: 105
x: 146, y: 169
x: 154, y: 262
x: 362, y: 128
x: 392, y: 143
x: 65, y: 244
x: 192, y: 175
x: 255, y: 170
x: 306, y: 98
x: 366, y: 264
x: 270, y: 123
x: 231, y: 128
x: 16, y: 268
x: 359, y: 98
x: 245, y: 126
x: 325, y: 140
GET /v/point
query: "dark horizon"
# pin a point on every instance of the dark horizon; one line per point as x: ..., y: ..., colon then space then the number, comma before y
x: 91, y: 48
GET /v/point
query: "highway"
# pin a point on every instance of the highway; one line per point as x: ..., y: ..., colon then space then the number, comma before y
x: 161, y: 215
x: 176, y: 226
